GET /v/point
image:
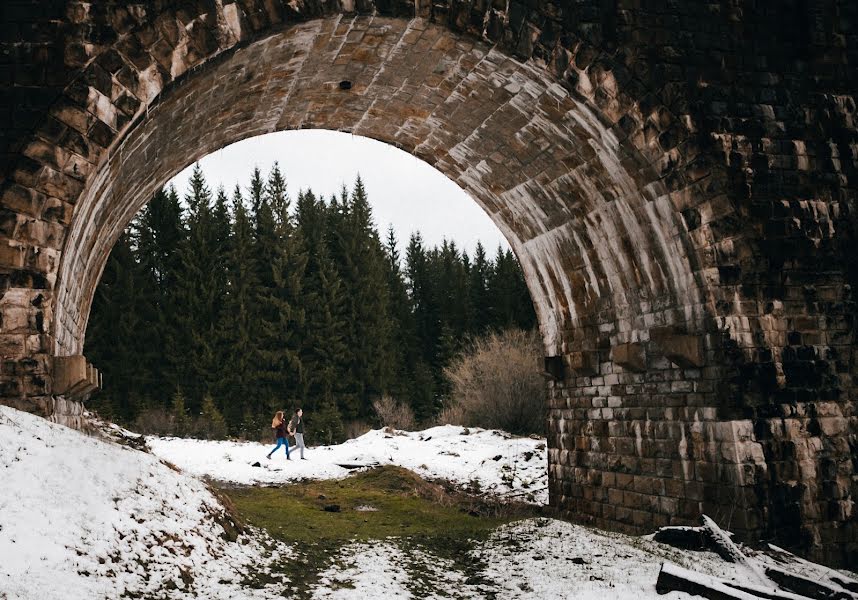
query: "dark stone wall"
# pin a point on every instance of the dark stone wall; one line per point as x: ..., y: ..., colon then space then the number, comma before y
x: 706, y: 358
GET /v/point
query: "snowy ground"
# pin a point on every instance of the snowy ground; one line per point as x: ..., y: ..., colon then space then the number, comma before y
x: 534, y: 559
x: 81, y: 518
x: 87, y: 519
x: 497, y: 462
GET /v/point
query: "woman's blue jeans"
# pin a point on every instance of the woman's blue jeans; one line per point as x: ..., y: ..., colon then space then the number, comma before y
x: 281, y: 442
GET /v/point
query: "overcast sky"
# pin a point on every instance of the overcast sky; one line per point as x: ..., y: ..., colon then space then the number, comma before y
x: 402, y: 189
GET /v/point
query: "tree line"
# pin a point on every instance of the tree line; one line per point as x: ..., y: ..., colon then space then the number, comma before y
x: 232, y: 305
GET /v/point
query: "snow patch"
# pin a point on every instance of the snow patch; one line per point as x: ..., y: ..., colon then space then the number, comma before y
x: 486, y: 461
x: 85, y: 518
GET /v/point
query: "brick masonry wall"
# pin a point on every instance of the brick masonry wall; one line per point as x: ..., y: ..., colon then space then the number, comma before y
x: 678, y: 181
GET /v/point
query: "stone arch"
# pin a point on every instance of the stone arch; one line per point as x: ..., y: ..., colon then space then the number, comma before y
x: 681, y: 212
x: 467, y: 103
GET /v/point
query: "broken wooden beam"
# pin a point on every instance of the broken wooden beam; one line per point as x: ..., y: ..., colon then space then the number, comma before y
x: 811, y: 588
x: 729, y: 551
x: 673, y: 578
x: 686, y: 538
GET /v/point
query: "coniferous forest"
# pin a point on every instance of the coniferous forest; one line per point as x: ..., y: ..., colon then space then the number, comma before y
x: 232, y: 305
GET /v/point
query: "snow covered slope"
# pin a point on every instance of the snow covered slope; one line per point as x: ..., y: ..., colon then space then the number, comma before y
x: 82, y: 518
x: 497, y: 462
x: 85, y: 519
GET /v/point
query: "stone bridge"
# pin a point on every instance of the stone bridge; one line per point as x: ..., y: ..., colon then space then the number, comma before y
x: 677, y: 177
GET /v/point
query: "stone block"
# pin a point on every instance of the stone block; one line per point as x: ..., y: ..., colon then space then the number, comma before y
x: 554, y: 367
x: 68, y: 371
x: 583, y: 362
x: 629, y: 356
x: 684, y: 350
x: 74, y: 377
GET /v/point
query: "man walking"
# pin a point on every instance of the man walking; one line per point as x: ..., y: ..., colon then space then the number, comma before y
x: 296, y: 428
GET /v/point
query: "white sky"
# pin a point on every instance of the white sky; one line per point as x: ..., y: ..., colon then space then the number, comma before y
x: 402, y: 189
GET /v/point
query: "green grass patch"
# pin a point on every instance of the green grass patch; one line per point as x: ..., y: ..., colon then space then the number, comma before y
x: 405, y: 505
x: 418, y: 514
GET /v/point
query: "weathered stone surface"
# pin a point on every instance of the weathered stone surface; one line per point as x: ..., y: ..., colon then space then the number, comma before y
x: 629, y: 356
x: 681, y: 349
x: 583, y: 362
x: 74, y: 377
x: 651, y: 167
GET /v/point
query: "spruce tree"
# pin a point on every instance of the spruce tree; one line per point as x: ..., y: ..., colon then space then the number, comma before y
x: 118, y: 337
x: 510, y: 300
x: 324, y: 352
x: 426, y: 327
x: 211, y: 424
x: 280, y: 313
x: 198, y: 295
x: 239, y: 353
x: 362, y: 267
x: 179, y: 411
x: 162, y: 233
x: 403, y: 336
x: 478, y: 291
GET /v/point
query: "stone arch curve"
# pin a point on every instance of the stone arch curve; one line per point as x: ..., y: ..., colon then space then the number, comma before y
x: 679, y: 200
x: 530, y: 153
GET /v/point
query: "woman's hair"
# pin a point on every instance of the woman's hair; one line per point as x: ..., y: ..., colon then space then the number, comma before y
x: 297, y: 409
x: 278, y: 418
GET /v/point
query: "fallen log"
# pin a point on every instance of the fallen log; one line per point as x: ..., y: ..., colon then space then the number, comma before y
x: 356, y: 465
x: 673, y: 578
x: 729, y: 551
x: 686, y: 538
x: 836, y: 578
x: 812, y: 588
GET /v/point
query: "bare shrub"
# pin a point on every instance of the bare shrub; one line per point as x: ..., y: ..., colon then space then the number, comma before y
x: 497, y: 383
x: 394, y: 414
x: 355, y: 429
x: 154, y: 421
x: 451, y: 414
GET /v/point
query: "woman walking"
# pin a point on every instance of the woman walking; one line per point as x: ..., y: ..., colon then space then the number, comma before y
x: 278, y: 424
x: 296, y: 428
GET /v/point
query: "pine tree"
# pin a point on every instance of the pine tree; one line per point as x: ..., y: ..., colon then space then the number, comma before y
x: 324, y: 352
x: 453, y: 297
x: 280, y: 266
x: 278, y: 197
x: 361, y: 264
x: 118, y: 339
x: 403, y: 337
x: 179, y: 412
x: 511, y: 305
x: 161, y: 233
x: 421, y: 290
x: 256, y: 193
x: 212, y: 425
x: 478, y: 290
x: 198, y: 294
x: 239, y: 353
x: 426, y: 327
x: 326, y: 424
